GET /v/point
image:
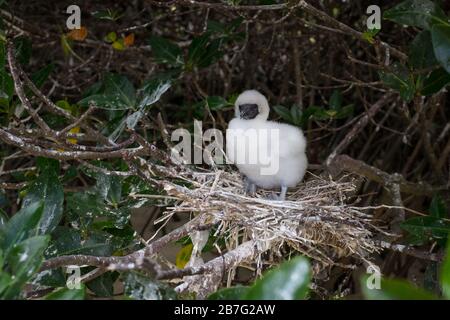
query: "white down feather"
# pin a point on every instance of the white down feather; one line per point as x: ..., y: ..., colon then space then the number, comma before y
x: 288, y: 147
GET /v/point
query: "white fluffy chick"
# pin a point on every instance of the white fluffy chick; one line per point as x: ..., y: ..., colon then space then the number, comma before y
x: 285, y: 150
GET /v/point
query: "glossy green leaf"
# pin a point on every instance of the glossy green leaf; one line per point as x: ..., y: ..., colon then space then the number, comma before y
x: 283, y: 112
x: 369, y: 35
x: 233, y: 293
x: 83, y: 207
x: 440, y: 35
x: 316, y: 113
x: 24, y: 260
x: 445, y: 273
x: 103, y: 286
x: 109, y: 187
x: 67, y: 294
x: 2, y: 55
x: 217, y: 102
x: 287, y: 282
x: 438, y: 208
x: 425, y: 228
x: 345, y: 112
x: 102, y: 101
x: 296, y: 115
x: 394, y: 289
x: 204, y: 51
x: 165, y: 51
x: 152, y: 91
x: 400, y: 79
x: 119, y: 87
x: 111, y: 37
x: 40, y: 76
x: 21, y: 226
x: 22, y: 49
x: 48, y: 189
x: 6, y: 86
x: 67, y: 241
x: 116, y: 93
x: 108, y: 14
x: 418, y: 13
x: 5, y: 282
x: 437, y: 80
x: 421, y: 53
x: 3, y: 218
x: 336, y: 100
x: 139, y: 287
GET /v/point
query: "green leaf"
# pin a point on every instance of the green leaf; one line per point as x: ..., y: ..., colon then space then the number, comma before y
x: 287, y: 282
x: 233, y: 293
x: 317, y: 113
x: 5, y: 282
x: 2, y: 55
x: 109, y: 187
x: 111, y: 37
x: 296, y: 115
x: 336, y: 100
x: 152, y: 91
x: 119, y: 45
x: 418, y: 13
x: 399, y: 79
x: 394, y: 289
x: 48, y: 189
x: 420, y: 51
x: 139, y: 287
x: 424, y: 228
x: 203, y: 51
x: 345, y: 112
x: 102, y: 101
x: 67, y: 294
x: 119, y: 87
x: 40, y: 76
x: 107, y: 14
x: 440, y: 35
x: 67, y: 241
x: 445, y: 274
x: 3, y: 218
x: 284, y: 113
x: 217, y: 102
x: 103, y: 286
x: 165, y: 51
x: 21, y: 226
x: 24, y: 260
x: 438, y: 208
x: 23, y: 49
x: 369, y: 35
x: 118, y: 94
x: 435, y: 82
x: 6, y: 86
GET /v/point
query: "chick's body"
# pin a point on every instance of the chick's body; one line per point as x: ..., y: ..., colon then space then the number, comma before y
x: 284, y: 145
x: 288, y: 146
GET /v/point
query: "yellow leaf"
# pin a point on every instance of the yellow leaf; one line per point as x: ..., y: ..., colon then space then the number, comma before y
x: 78, y: 34
x: 129, y: 40
x: 331, y: 113
x: 111, y: 37
x: 118, y: 45
x: 73, y: 140
x: 65, y: 45
x: 183, y: 256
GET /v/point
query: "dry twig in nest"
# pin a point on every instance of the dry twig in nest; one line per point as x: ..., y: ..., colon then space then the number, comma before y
x: 315, y: 220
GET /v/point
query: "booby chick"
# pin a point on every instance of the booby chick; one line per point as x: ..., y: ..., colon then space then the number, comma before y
x: 280, y: 148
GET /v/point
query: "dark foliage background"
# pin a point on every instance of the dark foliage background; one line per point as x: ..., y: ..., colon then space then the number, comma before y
x: 147, y: 66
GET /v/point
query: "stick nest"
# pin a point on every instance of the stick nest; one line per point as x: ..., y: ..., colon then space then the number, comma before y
x: 314, y: 220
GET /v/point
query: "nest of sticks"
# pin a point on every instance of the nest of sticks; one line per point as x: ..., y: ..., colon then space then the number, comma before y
x: 316, y: 218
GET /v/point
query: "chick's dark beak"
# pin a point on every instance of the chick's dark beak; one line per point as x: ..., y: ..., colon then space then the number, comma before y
x: 248, y: 111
